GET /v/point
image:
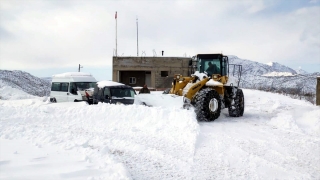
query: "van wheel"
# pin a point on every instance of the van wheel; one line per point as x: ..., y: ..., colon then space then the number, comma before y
x: 75, y: 100
x: 53, y: 100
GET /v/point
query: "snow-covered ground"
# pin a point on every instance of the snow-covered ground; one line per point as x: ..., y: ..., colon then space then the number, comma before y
x: 277, y: 138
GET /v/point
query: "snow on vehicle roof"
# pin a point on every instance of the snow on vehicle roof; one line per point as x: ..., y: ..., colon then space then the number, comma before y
x: 73, y: 74
x: 102, y: 84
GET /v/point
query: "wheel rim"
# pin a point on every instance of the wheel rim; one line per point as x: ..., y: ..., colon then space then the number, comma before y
x: 213, y: 105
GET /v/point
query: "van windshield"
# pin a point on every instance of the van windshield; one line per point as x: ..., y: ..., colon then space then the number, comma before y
x: 122, y: 92
x: 81, y: 86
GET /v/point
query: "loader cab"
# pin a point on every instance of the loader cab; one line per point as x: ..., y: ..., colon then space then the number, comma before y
x: 212, y: 64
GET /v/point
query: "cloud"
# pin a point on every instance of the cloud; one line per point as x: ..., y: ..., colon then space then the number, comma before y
x: 313, y: 1
x: 56, y: 34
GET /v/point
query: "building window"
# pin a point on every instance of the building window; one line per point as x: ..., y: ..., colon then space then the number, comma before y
x: 132, y: 80
x: 164, y: 73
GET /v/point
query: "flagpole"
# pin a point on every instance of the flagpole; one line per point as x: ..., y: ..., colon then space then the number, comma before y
x: 137, y: 39
x: 116, y: 34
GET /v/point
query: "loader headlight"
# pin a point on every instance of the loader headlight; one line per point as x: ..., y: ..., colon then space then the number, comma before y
x: 215, y: 76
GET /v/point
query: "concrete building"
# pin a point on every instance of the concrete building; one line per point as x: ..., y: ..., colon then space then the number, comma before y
x: 156, y: 72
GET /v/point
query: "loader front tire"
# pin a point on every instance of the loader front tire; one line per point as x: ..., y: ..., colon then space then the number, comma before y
x: 237, y: 109
x: 207, y: 105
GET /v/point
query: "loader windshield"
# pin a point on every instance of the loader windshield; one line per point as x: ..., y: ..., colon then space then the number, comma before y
x: 209, y: 65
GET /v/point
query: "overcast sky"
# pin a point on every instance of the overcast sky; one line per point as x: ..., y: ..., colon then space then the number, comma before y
x: 45, y: 37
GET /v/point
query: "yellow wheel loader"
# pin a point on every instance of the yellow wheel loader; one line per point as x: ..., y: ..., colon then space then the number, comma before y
x: 212, y: 85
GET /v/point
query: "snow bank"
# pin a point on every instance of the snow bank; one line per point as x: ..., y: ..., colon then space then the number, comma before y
x: 276, y: 138
x: 138, y: 139
x: 9, y: 93
x: 156, y: 99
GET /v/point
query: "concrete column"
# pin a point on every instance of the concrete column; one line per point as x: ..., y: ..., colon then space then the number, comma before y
x: 115, y: 75
x: 153, y: 79
x: 318, y: 91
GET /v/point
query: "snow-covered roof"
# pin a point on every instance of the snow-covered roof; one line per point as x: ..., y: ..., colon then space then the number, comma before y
x: 102, y: 84
x: 72, y: 74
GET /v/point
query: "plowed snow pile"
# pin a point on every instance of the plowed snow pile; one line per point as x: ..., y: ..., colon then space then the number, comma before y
x: 277, y: 138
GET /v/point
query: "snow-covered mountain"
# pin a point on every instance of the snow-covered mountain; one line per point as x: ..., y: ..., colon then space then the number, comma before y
x: 26, y: 82
x: 301, y: 71
x: 275, y: 77
x: 256, y: 68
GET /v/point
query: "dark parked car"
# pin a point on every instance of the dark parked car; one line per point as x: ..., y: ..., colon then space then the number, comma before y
x: 113, y: 92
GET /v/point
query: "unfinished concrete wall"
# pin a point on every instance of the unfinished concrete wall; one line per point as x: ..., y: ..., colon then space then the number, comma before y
x: 162, y: 68
x: 318, y: 91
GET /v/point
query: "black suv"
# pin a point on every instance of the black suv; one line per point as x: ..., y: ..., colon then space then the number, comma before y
x: 113, y: 92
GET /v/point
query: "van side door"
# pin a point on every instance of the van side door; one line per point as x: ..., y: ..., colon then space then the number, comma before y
x: 73, y: 93
x: 59, y: 90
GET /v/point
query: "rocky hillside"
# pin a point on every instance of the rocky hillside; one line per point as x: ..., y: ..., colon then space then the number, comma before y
x: 25, y: 82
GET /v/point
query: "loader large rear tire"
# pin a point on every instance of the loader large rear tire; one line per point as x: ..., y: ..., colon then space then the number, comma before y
x: 237, y: 109
x: 207, y: 105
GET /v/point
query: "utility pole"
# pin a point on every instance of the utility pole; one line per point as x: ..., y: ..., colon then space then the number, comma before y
x: 137, y: 39
x: 80, y: 67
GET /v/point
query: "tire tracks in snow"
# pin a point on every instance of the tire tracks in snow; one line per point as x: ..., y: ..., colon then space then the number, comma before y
x: 269, y: 142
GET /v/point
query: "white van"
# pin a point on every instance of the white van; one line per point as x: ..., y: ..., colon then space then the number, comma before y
x: 72, y: 87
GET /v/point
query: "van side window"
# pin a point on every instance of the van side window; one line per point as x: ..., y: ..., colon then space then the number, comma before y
x: 64, y: 87
x: 55, y: 87
x: 60, y: 87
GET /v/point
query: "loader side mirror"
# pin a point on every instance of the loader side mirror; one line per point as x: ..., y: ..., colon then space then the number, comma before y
x: 190, y: 62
